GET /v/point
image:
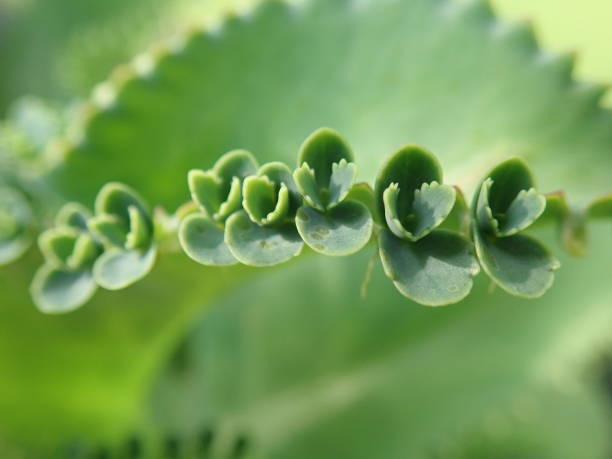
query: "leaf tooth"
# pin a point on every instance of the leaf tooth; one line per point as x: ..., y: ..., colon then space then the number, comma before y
x: 520, y: 35
x: 559, y: 64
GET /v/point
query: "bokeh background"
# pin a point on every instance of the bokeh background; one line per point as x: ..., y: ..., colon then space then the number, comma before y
x: 291, y: 362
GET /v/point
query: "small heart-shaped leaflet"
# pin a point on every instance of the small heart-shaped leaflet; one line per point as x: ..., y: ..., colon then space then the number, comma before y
x: 519, y: 264
x: 56, y: 290
x: 437, y: 270
x: 203, y: 241
x: 342, y: 230
x: 116, y: 268
x: 256, y: 245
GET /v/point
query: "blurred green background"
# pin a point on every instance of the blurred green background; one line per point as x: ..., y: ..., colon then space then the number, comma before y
x: 290, y: 362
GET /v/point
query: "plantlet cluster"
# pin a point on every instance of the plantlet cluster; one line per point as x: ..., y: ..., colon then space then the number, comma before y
x: 430, y: 243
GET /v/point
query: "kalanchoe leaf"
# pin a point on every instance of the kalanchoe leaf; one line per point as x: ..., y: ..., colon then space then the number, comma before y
x: 57, y: 245
x: 410, y: 195
x: 519, y: 264
x: 111, y: 230
x: 525, y: 209
x: 256, y: 245
x: 139, y: 236
x: 235, y: 163
x: 116, y: 199
x: 409, y: 168
x: 281, y: 173
x: 305, y: 180
x: 15, y: 220
x: 363, y: 193
x: 74, y: 215
x: 265, y: 202
x: 84, y: 253
x: 55, y: 290
x: 321, y: 150
x: 203, y: 241
x: 435, y: 271
x: 116, y: 269
x: 341, y: 181
x: 507, y: 202
x: 601, y: 207
x: 232, y: 202
x: 459, y: 217
x: 205, y: 188
x: 431, y: 205
x: 343, y: 230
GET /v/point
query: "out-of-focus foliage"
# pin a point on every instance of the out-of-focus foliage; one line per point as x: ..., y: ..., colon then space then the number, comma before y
x: 293, y: 363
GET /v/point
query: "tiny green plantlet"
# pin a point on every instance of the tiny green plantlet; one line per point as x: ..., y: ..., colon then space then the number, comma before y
x: 218, y: 194
x: 430, y: 243
x: 431, y: 266
x: 264, y: 233
x: 328, y: 222
x: 505, y: 205
x: 123, y: 223
x: 66, y: 280
x: 15, y: 222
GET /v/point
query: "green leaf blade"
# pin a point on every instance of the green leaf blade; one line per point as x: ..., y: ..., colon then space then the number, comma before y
x: 259, y: 246
x: 116, y: 269
x: 341, y: 231
x: 519, y: 264
x: 203, y: 241
x: 434, y: 271
x: 58, y: 291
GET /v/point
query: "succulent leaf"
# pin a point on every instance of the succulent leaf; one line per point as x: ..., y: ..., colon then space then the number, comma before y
x: 55, y: 290
x: 306, y: 182
x: 15, y: 220
x: 281, y: 173
x: 110, y: 229
x: 205, y: 188
x: 139, y: 236
x: 409, y: 168
x: 436, y: 270
x: 116, y: 199
x: 321, y: 150
x: 341, y: 181
x: 519, y: 264
x: 235, y: 163
x: 256, y: 245
x: 84, y: 253
x: 342, y: 230
x: 203, y: 241
x: 57, y: 245
x: 74, y: 215
x: 265, y: 202
x: 116, y: 269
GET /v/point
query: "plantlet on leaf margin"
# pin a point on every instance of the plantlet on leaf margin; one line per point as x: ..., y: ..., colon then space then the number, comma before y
x: 431, y: 266
x: 506, y: 204
x: 15, y: 221
x: 124, y: 224
x: 264, y: 233
x: 218, y: 194
x: 66, y: 280
x: 328, y: 222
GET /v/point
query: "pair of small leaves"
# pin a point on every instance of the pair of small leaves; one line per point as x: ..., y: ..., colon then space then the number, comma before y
x: 66, y: 280
x: 263, y: 217
x: 15, y: 222
x: 124, y: 225
x: 113, y: 250
x: 505, y: 205
x: 328, y: 222
x: 429, y: 265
